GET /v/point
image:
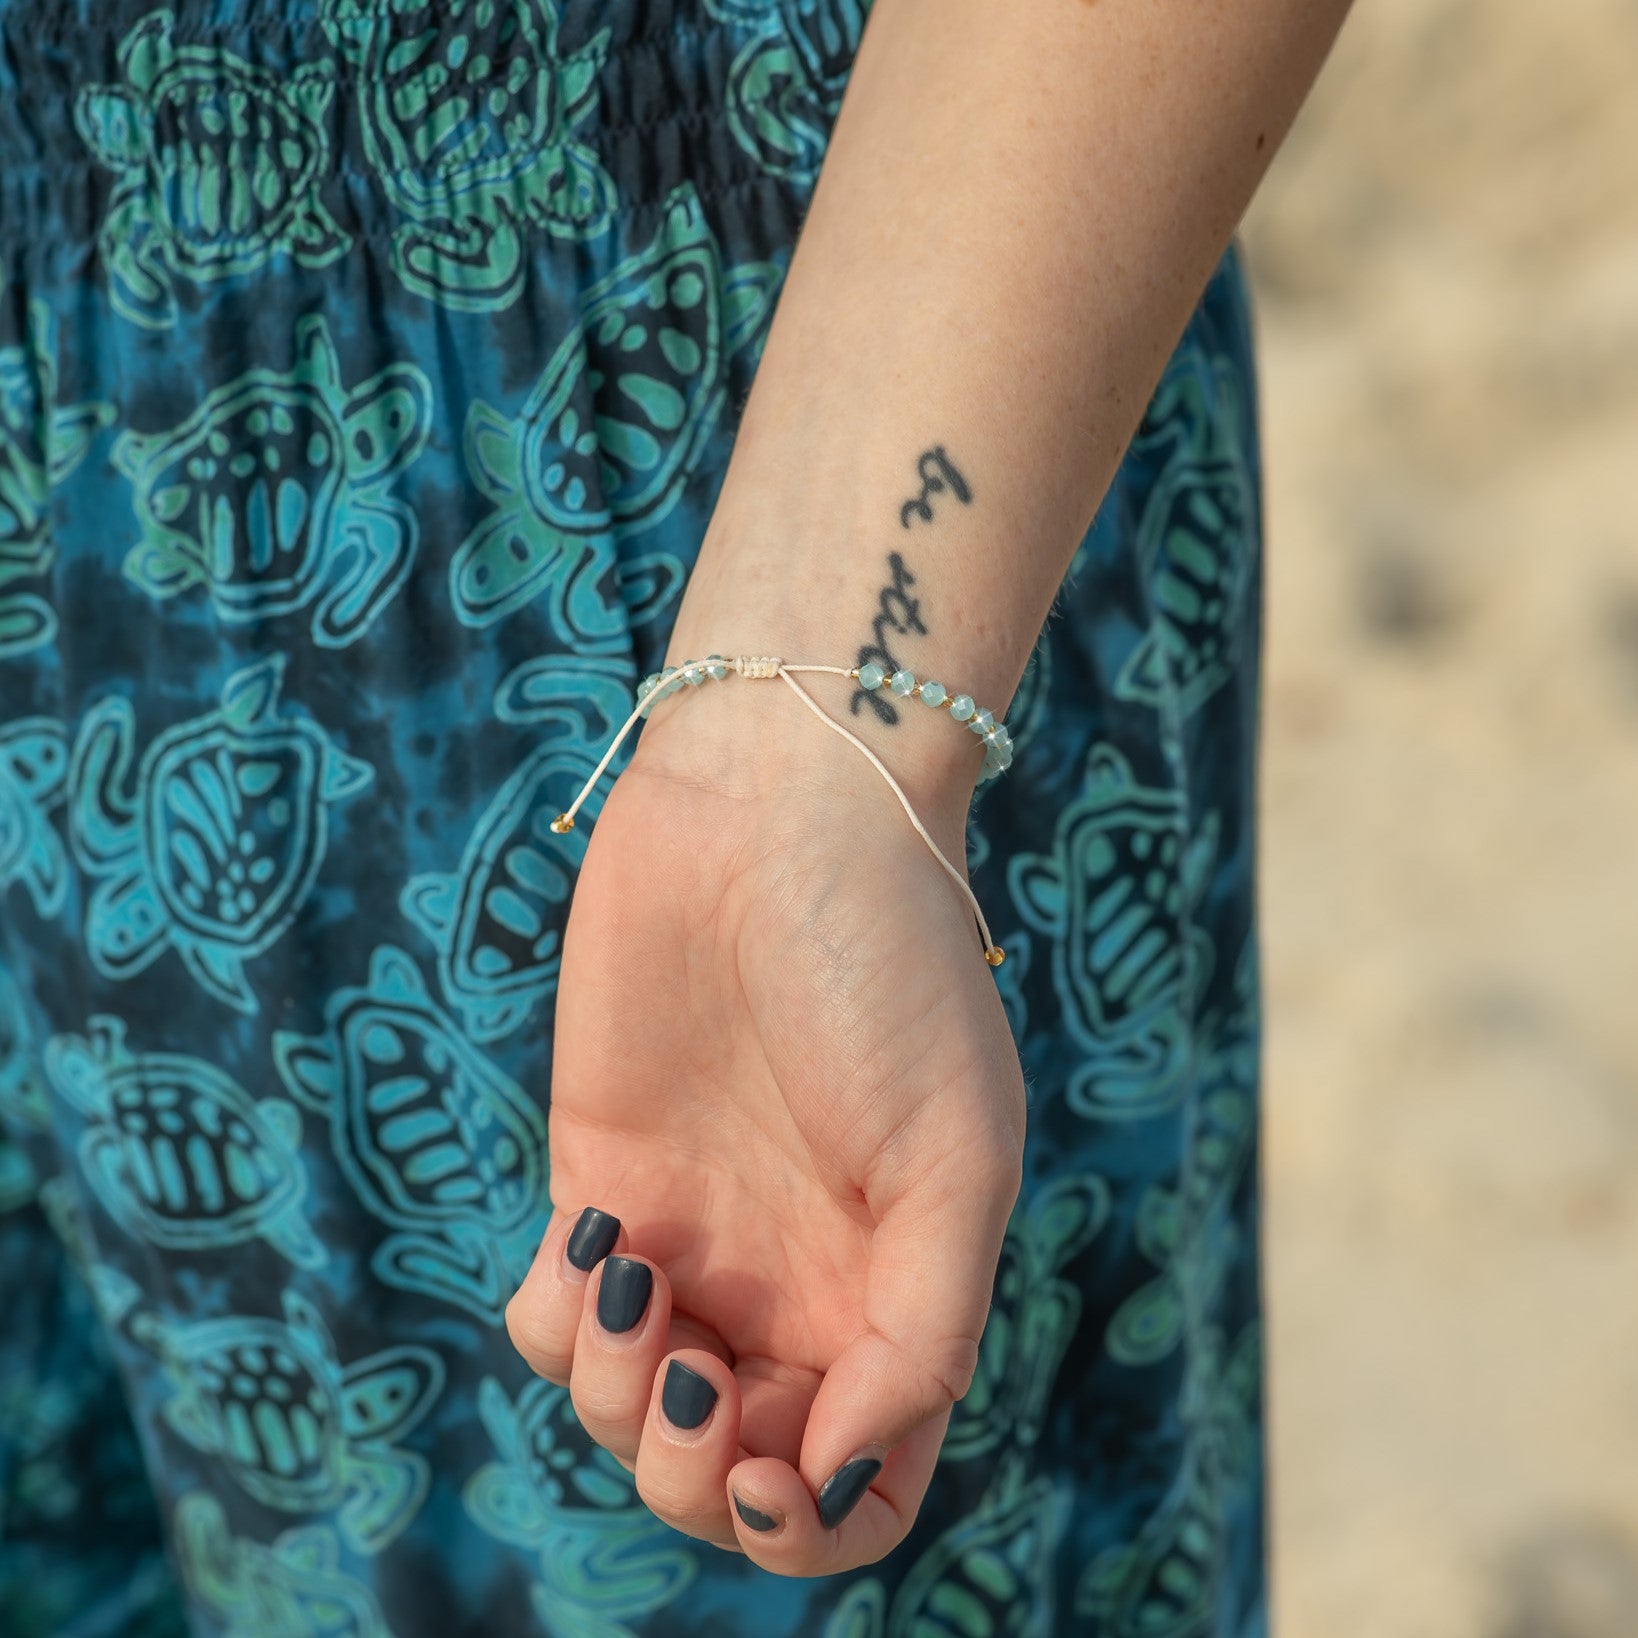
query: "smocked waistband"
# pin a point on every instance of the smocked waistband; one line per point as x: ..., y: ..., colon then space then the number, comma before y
x: 390, y: 106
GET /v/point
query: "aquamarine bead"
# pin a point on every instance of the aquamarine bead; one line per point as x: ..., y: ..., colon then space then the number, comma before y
x: 961, y: 707
x: 871, y: 676
x: 982, y: 722
x: 646, y: 686
x: 716, y: 666
x: 694, y: 675
x: 932, y: 693
x: 902, y: 682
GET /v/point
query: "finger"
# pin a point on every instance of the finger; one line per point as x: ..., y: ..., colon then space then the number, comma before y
x: 624, y: 1333
x: 689, y: 1442
x: 775, y: 1397
x: 933, y: 1258
x: 877, y: 1421
x: 543, y: 1317
x: 776, y: 1514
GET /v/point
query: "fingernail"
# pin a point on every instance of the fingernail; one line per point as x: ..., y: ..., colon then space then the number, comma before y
x: 593, y: 1238
x: 840, y: 1493
x: 754, y: 1517
x: 687, y: 1397
x: 623, y: 1294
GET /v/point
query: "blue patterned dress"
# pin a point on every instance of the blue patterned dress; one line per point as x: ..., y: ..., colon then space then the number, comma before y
x: 368, y: 371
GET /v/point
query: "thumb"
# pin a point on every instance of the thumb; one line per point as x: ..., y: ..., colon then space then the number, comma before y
x: 933, y: 1258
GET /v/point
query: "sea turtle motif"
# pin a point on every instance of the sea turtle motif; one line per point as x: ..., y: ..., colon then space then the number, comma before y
x: 292, y: 1588
x: 214, y: 846
x: 1033, y: 1315
x: 468, y: 121
x: 218, y: 164
x: 178, y: 1153
x: 607, y: 437
x: 497, y: 922
x: 278, y: 486
x: 604, y: 1558
x: 1196, y: 536
x: 433, y: 1138
x: 1164, y: 1582
x: 294, y: 1427
x: 41, y: 442
x: 785, y: 86
x: 988, y: 1576
x: 33, y: 779
x: 1189, y: 1231
x: 1116, y: 895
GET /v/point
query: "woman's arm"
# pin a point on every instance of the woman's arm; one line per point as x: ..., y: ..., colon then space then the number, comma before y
x: 1020, y: 206
x: 780, y: 1060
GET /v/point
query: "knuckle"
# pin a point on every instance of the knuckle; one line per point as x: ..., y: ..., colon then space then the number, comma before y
x: 591, y: 1403
x: 675, y: 1505
x: 998, y: 1161
x: 604, y: 1407
x: 535, y: 1343
x: 949, y: 1368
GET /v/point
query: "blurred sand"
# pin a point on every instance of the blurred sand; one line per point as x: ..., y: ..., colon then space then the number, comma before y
x: 1446, y: 257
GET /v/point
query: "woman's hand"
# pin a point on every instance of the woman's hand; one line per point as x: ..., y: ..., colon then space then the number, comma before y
x: 780, y: 1057
x: 782, y: 1064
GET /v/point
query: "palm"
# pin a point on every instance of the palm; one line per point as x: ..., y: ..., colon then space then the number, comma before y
x: 773, y: 1032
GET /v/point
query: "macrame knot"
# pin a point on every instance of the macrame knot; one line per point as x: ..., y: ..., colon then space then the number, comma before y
x: 757, y: 665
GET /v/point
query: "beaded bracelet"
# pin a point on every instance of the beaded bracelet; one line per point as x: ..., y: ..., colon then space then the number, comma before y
x: 997, y: 741
x: 661, y: 685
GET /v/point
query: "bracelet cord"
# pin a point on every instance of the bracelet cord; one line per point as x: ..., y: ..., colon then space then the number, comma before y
x: 767, y: 666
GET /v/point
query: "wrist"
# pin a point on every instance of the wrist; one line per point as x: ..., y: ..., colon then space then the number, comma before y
x: 740, y: 603
x: 754, y: 739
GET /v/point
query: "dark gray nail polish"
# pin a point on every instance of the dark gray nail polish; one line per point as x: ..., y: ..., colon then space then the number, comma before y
x: 593, y: 1238
x: 754, y: 1517
x: 623, y: 1294
x: 687, y: 1397
x: 839, y: 1494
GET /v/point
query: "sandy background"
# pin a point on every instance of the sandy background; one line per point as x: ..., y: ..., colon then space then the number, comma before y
x: 1446, y: 258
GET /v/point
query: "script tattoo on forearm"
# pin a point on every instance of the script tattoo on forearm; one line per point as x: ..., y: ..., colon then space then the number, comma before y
x: 937, y: 475
x: 897, y: 611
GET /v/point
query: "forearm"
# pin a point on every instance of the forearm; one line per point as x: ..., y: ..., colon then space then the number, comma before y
x: 1018, y: 211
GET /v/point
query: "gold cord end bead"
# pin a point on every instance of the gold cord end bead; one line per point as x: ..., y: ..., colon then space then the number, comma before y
x: 563, y: 824
x: 995, y: 955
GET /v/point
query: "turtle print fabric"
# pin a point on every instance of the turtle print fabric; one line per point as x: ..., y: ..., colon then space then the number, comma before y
x: 368, y: 371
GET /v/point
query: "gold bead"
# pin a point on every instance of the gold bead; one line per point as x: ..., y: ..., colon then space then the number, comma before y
x: 563, y: 824
x: 995, y: 955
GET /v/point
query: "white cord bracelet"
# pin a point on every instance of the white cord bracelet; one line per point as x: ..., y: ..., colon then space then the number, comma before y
x: 997, y: 742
